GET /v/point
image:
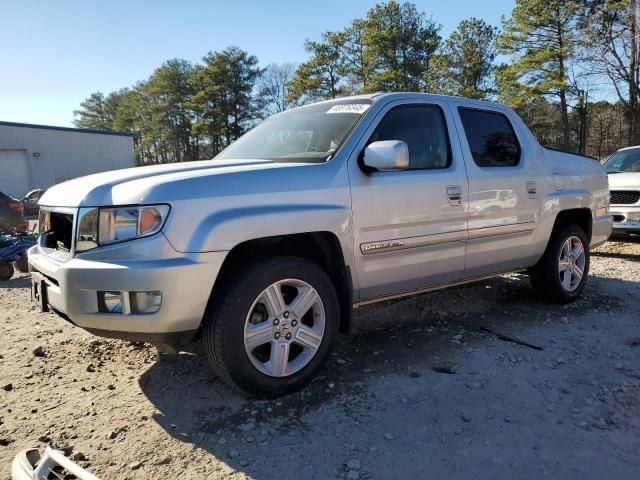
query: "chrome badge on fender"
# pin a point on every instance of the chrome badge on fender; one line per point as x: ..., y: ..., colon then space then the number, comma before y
x: 368, y: 248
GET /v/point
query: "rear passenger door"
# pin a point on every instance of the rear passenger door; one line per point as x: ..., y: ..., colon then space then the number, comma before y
x: 503, y: 198
x: 410, y: 226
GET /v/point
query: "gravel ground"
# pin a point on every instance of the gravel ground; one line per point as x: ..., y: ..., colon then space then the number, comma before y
x: 424, y: 388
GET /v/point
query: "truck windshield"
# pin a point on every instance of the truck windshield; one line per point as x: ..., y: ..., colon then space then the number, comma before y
x: 624, y: 161
x: 307, y: 134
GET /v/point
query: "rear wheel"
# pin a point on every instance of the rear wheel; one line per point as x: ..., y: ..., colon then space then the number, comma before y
x: 6, y: 271
x: 561, y: 274
x: 272, y: 326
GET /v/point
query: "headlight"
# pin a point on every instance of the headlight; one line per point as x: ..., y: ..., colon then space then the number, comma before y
x: 103, y: 226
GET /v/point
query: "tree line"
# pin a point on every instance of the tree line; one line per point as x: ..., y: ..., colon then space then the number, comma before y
x: 570, y: 68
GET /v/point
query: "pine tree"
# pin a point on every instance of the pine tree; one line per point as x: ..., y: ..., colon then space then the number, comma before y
x: 464, y: 64
x: 321, y: 76
x: 224, y: 98
x: 93, y: 113
x: 540, y: 38
x: 170, y: 93
x: 399, y: 44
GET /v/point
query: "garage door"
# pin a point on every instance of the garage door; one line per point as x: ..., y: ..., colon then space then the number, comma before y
x: 14, y: 175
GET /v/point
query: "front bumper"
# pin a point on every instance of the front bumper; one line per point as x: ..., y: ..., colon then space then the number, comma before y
x: 601, y: 230
x: 147, y: 264
x: 29, y: 465
x: 626, y: 220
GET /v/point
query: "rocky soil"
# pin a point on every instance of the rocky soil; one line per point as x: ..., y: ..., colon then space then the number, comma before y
x: 425, y: 387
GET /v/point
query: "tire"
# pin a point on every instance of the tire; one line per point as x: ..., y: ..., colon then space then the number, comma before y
x: 22, y: 264
x: 564, y: 286
x: 243, y: 313
x: 6, y: 271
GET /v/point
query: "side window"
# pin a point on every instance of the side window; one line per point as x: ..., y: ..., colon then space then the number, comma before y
x: 491, y: 138
x: 424, y: 131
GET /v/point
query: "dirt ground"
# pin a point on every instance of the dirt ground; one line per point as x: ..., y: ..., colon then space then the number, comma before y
x: 421, y: 389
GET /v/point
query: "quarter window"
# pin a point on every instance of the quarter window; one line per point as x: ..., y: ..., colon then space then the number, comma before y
x: 424, y: 131
x: 491, y: 138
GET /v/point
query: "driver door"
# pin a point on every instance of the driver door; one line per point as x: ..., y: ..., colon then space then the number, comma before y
x: 410, y: 226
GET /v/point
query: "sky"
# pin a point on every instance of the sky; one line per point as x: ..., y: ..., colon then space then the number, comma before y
x: 56, y: 53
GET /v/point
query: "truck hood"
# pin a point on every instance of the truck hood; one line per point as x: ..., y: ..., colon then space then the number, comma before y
x: 132, y: 186
x: 624, y: 180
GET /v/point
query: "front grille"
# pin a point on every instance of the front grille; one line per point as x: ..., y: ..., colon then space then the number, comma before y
x: 624, y: 197
x: 56, y: 232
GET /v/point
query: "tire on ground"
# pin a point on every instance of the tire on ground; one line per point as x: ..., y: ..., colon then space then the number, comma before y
x: 224, y: 324
x: 6, y: 271
x: 22, y: 264
x: 545, y: 275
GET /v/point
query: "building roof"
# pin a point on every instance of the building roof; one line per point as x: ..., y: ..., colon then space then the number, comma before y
x: 67, y: 129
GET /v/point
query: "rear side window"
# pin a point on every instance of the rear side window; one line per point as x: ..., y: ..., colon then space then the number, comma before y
x: 424, y: 131
x: 491, y: 138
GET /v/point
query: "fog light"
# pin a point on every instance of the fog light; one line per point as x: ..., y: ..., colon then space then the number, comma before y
x: 110, y: 302
x: 145, y: 302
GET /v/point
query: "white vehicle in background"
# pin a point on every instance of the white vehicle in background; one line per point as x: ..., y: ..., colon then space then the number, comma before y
x: 623, y: 168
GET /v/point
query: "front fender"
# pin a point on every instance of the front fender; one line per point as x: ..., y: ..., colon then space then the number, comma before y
x: 224, y: 229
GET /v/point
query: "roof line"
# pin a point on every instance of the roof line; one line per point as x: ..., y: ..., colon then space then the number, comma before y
x: 67, y: 129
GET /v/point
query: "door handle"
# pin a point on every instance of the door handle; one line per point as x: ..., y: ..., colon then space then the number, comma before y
x: 454, y: 195
x: 532, y: 189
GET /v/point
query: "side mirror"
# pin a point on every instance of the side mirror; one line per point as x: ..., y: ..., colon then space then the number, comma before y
x: 387, y: 155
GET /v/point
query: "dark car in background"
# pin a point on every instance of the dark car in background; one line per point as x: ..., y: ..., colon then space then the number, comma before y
x: 30, y: 202
x: 11, y: 214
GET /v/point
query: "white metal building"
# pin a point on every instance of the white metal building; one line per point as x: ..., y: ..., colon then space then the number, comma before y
x: 39, y: 156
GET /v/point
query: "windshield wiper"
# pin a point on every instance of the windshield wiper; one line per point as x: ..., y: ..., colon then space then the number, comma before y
x: 616, y: 171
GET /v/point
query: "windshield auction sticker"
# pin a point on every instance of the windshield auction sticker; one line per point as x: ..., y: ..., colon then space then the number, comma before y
x: 358, y: 108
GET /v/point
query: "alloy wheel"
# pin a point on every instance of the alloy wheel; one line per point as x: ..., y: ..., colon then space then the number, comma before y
x: 284, y: 328
x: 571, y: 263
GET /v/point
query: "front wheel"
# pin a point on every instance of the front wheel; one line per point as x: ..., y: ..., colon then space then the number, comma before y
x: 272, y: 325
x: 561, y: 274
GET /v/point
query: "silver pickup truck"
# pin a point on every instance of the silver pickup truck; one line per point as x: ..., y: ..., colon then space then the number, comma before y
x: 263, y: 252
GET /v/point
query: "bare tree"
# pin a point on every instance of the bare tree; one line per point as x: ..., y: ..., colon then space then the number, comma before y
x: 273, y: 88
x: 611, y: 32
x: 607, y: 129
